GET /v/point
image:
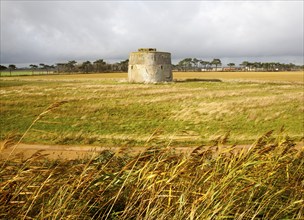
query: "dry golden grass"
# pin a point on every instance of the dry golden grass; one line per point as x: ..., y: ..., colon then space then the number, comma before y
x: 297, y: 76
x: 110, y: 112
x: 251, y: 76
x: 72, y: 76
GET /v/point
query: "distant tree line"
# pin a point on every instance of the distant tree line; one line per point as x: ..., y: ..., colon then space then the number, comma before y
x: 98, y: 66
x: 194, y: 64
x: 186, y: 64
x: 269, y: 66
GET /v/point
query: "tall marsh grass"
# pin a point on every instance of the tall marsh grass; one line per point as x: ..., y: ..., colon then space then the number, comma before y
x: 265, y: 181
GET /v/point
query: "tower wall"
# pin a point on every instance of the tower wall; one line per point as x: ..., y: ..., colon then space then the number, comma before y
x: 149, y: 66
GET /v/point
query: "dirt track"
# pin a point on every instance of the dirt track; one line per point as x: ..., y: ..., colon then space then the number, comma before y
x: 64, y: 152
x: 68, y: 152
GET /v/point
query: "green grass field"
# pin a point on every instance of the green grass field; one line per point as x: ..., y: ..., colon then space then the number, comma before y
x: 102, y: 109
x: 23, y: 73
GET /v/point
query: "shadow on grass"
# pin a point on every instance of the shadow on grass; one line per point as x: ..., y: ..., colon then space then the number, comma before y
x: 196, y: 80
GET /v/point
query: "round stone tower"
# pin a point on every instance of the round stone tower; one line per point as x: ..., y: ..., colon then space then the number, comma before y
x: 149, y: 66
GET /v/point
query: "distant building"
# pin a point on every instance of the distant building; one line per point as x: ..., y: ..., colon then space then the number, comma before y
x: 217, y: 69
x: 149, y: 66
x: 230, y: 69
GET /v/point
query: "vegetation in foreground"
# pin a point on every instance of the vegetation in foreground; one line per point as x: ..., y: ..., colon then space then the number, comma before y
x: 262, y: 182
x: 105, y: 112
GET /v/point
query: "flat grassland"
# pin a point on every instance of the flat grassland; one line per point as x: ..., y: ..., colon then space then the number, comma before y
x: 297, y: 76
x: 264, y: 181
x: 198, y: 108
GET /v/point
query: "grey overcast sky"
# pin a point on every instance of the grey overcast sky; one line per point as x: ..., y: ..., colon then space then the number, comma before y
x: 58, y: 31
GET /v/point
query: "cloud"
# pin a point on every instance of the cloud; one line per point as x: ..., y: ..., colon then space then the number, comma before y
x: 53, y: 31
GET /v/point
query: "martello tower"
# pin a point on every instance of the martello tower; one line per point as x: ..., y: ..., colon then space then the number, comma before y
x: 148, y: 65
